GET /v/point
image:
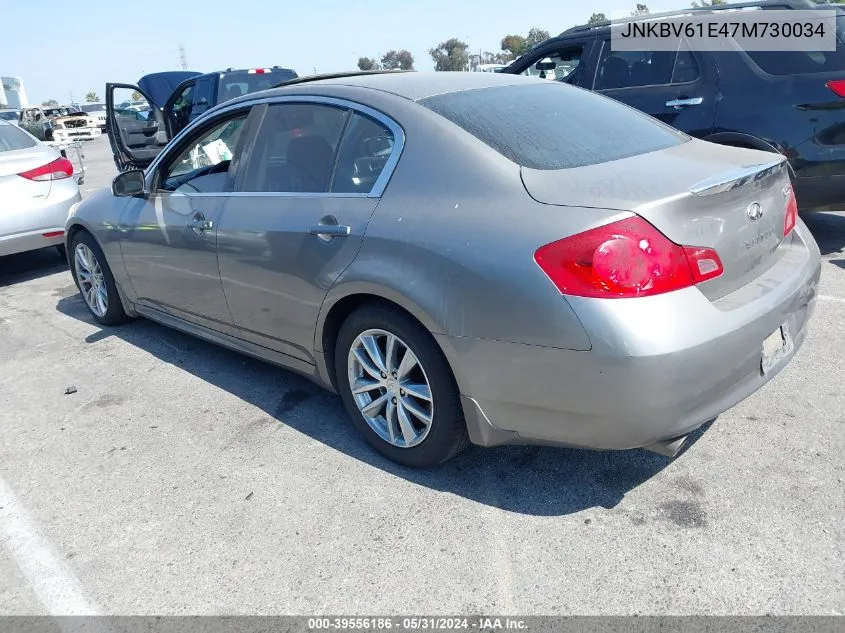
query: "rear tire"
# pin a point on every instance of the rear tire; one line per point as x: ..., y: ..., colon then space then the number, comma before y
x: 95, y: 281
x: 406, y: 406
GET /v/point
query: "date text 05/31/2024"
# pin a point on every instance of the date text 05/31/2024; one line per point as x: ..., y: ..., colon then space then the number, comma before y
x: 416, y: 623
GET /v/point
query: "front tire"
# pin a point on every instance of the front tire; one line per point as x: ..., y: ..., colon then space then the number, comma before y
x: 95, y: 281
x: 398, y: 388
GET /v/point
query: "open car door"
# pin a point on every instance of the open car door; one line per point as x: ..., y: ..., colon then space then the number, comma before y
x: 137, y: 130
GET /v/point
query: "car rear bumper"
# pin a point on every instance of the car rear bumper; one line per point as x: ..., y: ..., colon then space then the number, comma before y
x: 48, y: 217
x: 659, y: 367
x: 819, y: 193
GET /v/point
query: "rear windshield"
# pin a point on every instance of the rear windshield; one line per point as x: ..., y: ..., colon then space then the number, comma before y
x: 12, y: 138
x: 236, y: 84
x: 804, y: 62
x: 9, y: 116
x: 95, y: 107
x: 550, y: 125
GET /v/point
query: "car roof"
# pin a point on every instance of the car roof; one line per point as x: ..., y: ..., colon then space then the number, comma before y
x: 409, y: 85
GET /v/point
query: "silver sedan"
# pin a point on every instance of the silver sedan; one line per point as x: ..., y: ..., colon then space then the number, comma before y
x: 37, y: 191
x: 464, y: 257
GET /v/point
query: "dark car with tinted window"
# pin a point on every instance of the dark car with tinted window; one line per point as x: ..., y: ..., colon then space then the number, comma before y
x: 181, y: 97
x: 789, y: 102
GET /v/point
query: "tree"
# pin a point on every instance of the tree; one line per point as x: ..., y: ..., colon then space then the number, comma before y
x: 137, y: 96
x: 450, y: 55
x: 513, y: 45
x: 535, y: 36
x: 92, y: 97
x: 50, y: 103
x: 367, y: 63
x: 397, y: 60
x: 640, y: 10
x: 597, y: 17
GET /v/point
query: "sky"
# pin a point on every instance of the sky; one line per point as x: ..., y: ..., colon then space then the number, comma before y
x: 61, y: 58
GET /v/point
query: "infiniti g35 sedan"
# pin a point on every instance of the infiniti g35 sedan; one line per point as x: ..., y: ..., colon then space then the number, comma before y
x: 464, y: 257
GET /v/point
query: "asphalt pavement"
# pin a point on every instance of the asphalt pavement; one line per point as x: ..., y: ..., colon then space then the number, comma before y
x: 181, y: 478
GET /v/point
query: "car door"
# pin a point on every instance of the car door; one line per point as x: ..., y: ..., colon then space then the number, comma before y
x: 678, y: 87
x: 169, y: 239
x: 297, y: 219
x: 137, y: 133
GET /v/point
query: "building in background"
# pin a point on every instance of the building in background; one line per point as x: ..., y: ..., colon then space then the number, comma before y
x: 12, y: 93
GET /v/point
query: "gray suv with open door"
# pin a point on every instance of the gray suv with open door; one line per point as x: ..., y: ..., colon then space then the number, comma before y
x: 144, y: 117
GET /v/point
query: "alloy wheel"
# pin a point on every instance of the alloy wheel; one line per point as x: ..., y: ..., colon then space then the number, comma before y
x: 92, y: 284
x: 390, y: 388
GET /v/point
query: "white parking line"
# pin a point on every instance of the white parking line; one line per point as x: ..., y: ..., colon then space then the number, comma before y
x: 56, y: 586
x: 830, y: 298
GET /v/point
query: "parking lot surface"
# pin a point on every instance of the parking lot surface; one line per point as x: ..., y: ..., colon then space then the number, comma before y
x: 181, y: 478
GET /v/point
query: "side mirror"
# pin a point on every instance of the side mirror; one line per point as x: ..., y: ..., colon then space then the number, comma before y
x: 129, y: 183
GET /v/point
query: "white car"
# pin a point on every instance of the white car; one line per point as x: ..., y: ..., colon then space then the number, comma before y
x: 37, y: 191
x: 95, y: 111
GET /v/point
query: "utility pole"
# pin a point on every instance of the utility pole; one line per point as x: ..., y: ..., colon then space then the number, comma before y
x: 183, y: 57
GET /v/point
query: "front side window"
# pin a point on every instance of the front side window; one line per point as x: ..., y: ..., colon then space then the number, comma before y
x: 559, y: 65
x: 202, y: 96
x: 296, y: 148
x: 203, y: 165
x: 180, y: 112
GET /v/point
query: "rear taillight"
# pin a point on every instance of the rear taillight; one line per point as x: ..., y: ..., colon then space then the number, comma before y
x: 59, y: 169
x: 629, y: 258
x: 791, y: 213
x: 838, y: 86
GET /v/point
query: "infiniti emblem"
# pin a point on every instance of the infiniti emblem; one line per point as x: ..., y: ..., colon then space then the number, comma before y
x: 754, y: 212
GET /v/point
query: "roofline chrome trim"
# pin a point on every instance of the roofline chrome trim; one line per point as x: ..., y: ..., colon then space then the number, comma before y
x: 737, y: 177
x: 381, y: 183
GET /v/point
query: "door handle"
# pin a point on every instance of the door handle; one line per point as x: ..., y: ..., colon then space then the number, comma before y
x: 679, y: 104
x: 328, y: 231
x: 200, y: 224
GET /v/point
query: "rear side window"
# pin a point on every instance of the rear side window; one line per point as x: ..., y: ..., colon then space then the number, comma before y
x: 628, y: 69
x: 364, y: 152
x: 804, y: 62
x: 799, y: 62
x: 12, y: 138
x: 551, y: 125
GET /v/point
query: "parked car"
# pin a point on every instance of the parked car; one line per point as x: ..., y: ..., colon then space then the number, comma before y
x: 36, y: 122
x: 585, y: 276
x: 180, y: 97
x: 76, y: 125
x: 96, y: 111
x: 37, y: 191
x: 796, y: 97
x: 10, y: 116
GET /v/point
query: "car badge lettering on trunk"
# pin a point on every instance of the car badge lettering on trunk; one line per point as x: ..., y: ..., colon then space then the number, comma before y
x: 754, y: 211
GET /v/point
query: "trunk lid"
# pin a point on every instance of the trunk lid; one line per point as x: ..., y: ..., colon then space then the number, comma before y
x: 696, y: 194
